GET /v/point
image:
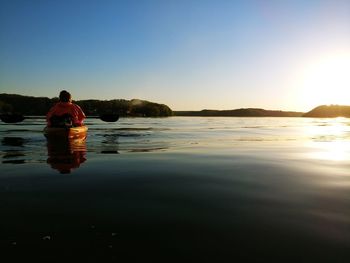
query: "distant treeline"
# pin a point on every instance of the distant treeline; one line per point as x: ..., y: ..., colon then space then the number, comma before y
x: 249, y: 112
x: 27, y: 105
x: 324, y: 111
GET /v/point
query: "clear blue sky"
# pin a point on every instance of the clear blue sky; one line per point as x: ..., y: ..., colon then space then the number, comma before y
x: 188, y: 54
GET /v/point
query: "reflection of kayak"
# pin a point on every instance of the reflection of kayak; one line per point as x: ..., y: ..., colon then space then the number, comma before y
x: 65, y: 154
x: 70, y: 133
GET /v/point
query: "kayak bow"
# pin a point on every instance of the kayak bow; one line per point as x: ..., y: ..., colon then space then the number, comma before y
x: 70, y: 133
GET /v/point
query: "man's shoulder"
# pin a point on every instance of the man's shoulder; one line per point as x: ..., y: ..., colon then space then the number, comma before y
x: 75, y: 105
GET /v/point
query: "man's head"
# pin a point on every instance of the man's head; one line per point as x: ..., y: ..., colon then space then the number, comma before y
x: 65, y: 96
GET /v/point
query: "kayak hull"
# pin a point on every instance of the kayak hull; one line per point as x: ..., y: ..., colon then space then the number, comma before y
x: 79, y: 132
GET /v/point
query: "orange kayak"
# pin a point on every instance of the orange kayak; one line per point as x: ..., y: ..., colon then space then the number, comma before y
x: 79, y: 132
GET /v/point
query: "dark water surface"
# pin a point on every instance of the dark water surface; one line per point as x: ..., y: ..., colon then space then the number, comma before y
x: 175, y: 189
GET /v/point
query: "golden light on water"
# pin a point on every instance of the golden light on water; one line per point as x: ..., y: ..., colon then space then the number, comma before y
x: 330, y: 139
x: 326, y: 81
x: 333, y: 151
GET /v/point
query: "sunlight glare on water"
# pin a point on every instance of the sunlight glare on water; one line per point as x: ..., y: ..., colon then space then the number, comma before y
x: 330, y: 139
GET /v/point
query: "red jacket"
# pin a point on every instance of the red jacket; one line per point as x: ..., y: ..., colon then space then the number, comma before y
x: 72, y: 109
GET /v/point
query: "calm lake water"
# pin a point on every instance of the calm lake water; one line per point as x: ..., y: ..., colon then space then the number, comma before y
x: 180, y: 188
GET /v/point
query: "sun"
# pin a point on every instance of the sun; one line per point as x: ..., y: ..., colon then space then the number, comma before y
x: 326, y: 81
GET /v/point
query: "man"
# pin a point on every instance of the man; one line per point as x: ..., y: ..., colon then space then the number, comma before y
x: 65, y: 113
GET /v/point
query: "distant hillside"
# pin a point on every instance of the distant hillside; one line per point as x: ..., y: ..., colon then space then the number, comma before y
x: 329, y: 111
x: 249, y: 112
x: 27, y: 105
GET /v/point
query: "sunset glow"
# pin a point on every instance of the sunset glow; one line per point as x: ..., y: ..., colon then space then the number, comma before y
x: 189, y: 55
x: 327, y: 81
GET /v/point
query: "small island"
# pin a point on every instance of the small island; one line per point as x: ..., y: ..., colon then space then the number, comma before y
x: 329, y: 111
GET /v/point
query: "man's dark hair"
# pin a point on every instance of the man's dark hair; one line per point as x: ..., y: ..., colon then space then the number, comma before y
x: 65, y: 96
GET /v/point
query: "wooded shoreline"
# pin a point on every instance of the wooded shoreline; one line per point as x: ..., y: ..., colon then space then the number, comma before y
x: 39, y: 106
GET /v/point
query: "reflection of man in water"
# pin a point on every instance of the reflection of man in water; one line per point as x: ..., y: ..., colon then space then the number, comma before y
x: 66, y: 155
